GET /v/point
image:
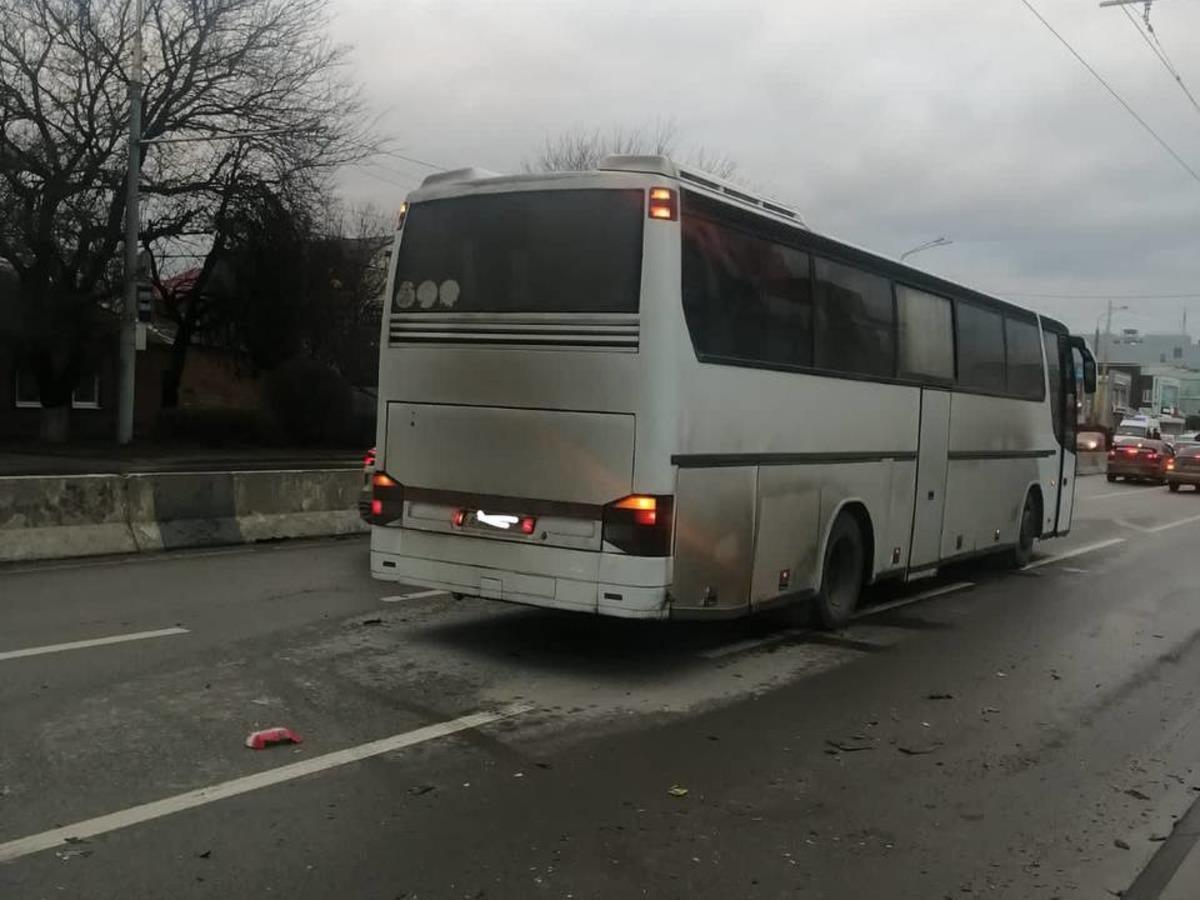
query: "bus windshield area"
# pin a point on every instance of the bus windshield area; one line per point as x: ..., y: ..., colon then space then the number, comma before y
x: 561, y: 251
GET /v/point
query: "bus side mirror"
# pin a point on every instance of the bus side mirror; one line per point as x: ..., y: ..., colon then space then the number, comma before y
x: 1089, y: 363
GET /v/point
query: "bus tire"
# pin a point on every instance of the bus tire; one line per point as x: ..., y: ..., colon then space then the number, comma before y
x: 1112, y: 477
x: 1173, y: 487
x: 843, y: 573
x: 1031, y: 516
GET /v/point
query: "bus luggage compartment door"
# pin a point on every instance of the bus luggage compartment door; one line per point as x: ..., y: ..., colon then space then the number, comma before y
x: 930, y: 498
x: 714, y: 541
x: 545, y: 454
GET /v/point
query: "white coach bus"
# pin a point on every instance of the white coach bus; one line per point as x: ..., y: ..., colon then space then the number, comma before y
x: 642, y: 392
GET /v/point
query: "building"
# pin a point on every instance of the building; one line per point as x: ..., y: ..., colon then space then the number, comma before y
x: 214, y: 378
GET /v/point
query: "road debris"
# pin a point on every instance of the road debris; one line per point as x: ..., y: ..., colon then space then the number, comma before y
x: 918, y: 749
x: 1136, y: 794
x: 677, y: 791
x: 1120, y: 844
x: 374, y: 621
x: 852, y: 744
x: 204, y: 854
x: 268, y: 737
x: 989, y: 710
x: 939, y: 697
x: 420, y: 789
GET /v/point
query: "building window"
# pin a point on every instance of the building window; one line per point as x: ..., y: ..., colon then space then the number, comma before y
x: 926, y: 335
x: 26, y: 390
x: 87, y: 392
x: 85, y: 396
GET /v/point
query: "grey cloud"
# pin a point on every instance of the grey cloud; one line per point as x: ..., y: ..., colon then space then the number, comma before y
x: 887, y: 124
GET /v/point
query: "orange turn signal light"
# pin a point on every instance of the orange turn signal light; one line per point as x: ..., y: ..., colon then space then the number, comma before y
x: 637, y: 501
x: 664, y: 204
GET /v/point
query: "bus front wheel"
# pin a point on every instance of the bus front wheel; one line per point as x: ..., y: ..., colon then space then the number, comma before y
x: 1031, y: 515
x: 842, y: 575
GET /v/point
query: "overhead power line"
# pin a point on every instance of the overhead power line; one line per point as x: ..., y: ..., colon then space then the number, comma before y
x: 1102, y: 296
x: 1111, y: 90
x: 1160, y: 51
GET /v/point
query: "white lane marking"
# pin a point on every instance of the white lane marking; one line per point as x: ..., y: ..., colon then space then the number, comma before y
x: 1125, y: 523
x: 415, y: 596
x: 916, y: 598
x: 1187, y: 521
x: 201, y: 796
x: 1070, y: 554
x: 1128, y: 492
x: 94, y: 642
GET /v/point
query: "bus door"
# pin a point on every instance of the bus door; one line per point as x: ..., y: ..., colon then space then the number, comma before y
x: 930, y: 502
x: 1067, y: 358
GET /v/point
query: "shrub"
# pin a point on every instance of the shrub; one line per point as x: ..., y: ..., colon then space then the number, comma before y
x: 309, y: 402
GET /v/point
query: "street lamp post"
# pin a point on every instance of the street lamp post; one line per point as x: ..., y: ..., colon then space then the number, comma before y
x: 128, y: 364
x: 1102, y: 408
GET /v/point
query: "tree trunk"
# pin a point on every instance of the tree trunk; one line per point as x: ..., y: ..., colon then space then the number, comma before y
x: 173, y: 374
x: 56, y: 424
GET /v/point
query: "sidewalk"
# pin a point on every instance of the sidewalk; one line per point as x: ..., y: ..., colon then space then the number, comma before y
x: 109, y: 459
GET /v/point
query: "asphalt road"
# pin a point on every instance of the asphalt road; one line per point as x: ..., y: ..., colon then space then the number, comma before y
x: 1023, y: 735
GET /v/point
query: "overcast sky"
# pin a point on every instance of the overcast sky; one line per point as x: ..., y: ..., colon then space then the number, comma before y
x: 886, y: 123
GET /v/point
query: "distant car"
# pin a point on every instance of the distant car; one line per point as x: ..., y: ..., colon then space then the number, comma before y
x: 364, y: 495
x: 1184, y: 468
x: 1089, y: 440
x: 1138, y: 459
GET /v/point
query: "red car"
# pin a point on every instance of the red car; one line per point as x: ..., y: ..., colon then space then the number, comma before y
x: 1135, y: 458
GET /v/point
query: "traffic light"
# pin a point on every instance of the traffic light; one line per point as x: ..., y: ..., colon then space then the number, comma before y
x: 145, y: 301
x: 145, y: 292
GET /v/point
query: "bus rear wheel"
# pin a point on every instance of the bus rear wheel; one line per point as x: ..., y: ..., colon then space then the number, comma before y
x: 842, y: 576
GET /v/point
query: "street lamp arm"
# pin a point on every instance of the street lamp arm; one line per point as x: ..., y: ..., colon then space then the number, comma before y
x: 928, y: 245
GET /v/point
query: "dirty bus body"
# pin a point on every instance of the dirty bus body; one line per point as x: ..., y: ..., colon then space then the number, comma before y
x: 639, y: 392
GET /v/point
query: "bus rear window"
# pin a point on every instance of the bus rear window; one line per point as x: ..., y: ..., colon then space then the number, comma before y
x: 536, y: 251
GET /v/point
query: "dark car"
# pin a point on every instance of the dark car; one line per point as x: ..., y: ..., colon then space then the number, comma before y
x: 1184, y: 468
x: 1138, y: 459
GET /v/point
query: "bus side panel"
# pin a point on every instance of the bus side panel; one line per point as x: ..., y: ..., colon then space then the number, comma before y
x: 714, y: 540
x: 884, y: 490
x: 788, y: 531
x: 994, y: 442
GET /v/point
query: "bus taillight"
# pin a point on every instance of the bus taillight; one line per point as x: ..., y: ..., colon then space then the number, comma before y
x: 639, y: 524
x: 664, y: 204
x: 387, y: 499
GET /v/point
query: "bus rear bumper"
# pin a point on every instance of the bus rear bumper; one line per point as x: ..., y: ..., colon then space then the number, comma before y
x: 553, y: 578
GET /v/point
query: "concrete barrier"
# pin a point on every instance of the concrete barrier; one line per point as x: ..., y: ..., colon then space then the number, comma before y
x: 1091, y: 463
x: 89, y: 515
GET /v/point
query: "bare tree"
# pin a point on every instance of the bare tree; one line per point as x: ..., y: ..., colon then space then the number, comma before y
x: 257, y: 81
x: 579, y: 149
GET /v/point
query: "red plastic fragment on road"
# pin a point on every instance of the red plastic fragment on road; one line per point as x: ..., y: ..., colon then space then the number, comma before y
x: 258, y: 740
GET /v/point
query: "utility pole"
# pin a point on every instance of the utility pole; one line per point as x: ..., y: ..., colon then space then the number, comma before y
x: 129, y: 321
